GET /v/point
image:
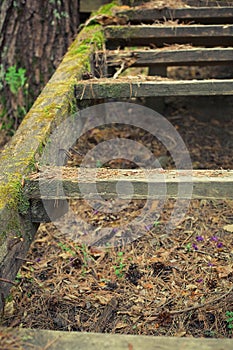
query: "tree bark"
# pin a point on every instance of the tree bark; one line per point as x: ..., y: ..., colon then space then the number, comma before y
x: 34, y: 35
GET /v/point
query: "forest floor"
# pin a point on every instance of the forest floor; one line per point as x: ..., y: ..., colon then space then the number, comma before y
x: 162, y: 283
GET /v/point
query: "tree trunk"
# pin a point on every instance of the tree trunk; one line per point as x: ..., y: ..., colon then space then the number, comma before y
x: 34, y: 35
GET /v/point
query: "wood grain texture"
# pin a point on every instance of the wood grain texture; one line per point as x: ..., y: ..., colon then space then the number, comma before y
x: 120, y: 88
x: 159, y: 35
x: 172, y: 57
x: 200, y: 14
x: 58, y: 340
x: 56, y: 185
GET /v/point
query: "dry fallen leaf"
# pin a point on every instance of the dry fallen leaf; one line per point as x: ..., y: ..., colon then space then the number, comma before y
x: 180, y: 333
x: 224, y: 271
x: 228, y: 228
x: 120, y: 325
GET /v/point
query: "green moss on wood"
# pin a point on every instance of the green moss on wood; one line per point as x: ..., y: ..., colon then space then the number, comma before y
x: 12, y: 192
x: 52, y: 106
x: 106, y: 9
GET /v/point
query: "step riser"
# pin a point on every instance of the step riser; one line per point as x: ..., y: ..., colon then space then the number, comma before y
x: 174, y: 57
x: 55, y: 186
x: 94, y: 90
x: 206, y: 15
x: 198, y: 35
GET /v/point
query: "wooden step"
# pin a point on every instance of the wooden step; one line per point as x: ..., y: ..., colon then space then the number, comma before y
x: 159, y: 35
x: 56, y: 185
x: 196, y: 14
x: 58, y: 340
x: 170, y: 57
x: 208, y: 3
x: 131, y: 88
x: 194, y: 3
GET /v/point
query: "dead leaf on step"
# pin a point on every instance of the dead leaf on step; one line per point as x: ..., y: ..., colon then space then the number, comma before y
x: 224, y: 271
x: 180, y: 333
x: 106, y: 20
x: 120, y: 325
x: 228, y: 228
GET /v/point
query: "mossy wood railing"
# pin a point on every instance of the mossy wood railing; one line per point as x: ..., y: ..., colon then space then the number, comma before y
x: 19, y: 159
x: 21, y: 155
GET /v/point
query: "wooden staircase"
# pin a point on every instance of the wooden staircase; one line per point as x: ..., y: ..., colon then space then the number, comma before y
x: 198, y: 34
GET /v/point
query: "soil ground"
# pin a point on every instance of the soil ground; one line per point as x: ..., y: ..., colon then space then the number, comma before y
x: 175, y: 283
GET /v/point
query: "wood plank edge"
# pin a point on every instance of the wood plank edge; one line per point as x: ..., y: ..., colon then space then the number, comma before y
x: 60, y: 340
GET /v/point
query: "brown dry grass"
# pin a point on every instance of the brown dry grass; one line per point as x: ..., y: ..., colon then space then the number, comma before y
x: 159, y: 284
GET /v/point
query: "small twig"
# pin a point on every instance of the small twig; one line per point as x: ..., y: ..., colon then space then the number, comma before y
x: 191, y: 308
x: 119, y: 71
x: 204, y: 253
x: 66, y: 153
x: 75, y: 151
x: 3, y: 305
x: 26, y: 260
x: 7, y: 281
x: 50, y: 343
x: 82, y: 94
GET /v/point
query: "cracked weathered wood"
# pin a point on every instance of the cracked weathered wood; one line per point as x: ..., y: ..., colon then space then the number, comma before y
x: 159, y: 35
x: 199, y: 14
x: 172, y: 57
x: 58, y: 184
x: 129, y: 88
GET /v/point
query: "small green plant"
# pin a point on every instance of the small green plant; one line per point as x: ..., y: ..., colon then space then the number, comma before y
x: 156, y: 223
x: 98, y: 164
x: 16, y: 79
x: 209, y: 334
x: 66, y: 248
x: 86, y: 258
x: 229, y: 320
x: 188, y: 247
x: 119, y: 268
x: 18, y: 277
x: 58, y: 15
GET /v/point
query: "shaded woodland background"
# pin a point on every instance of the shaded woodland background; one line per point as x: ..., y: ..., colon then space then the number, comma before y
x: 34, y: 35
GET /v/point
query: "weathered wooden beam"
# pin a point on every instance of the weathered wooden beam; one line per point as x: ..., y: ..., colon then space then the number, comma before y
x: 195, y: 3
x: 171, y: 57
x: 20, y: 156
x: 53, y: 186
x: 200, y: 14
x: 64, y: 182
x: 120, y: 88
x: 58, y: 340
x: 208, y: 3
x: 208, y: 35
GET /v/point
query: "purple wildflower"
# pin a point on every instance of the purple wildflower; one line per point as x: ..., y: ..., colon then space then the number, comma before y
x: 214, y: 238
x: 199, y: 238
x: 195, y: 247
x: 220, y: 245
x: 199, y: 280
x: 210, y: 264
